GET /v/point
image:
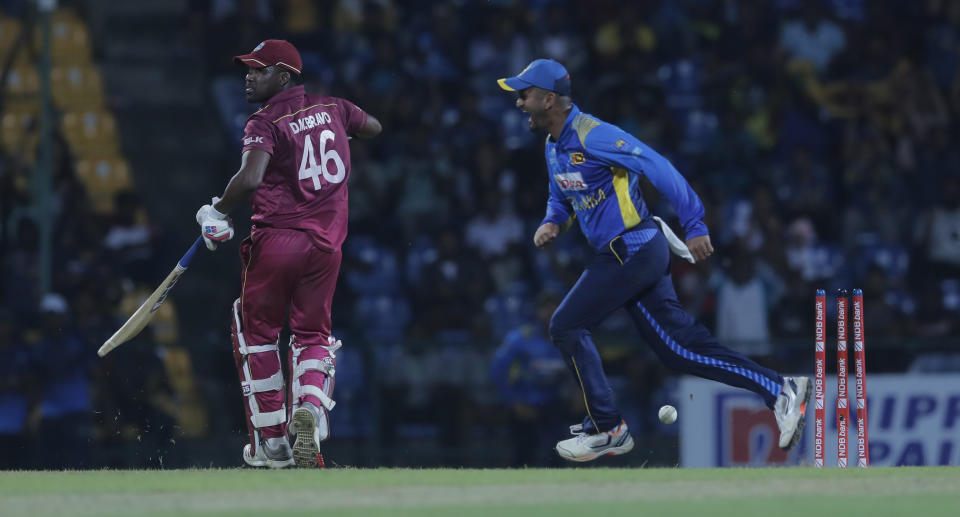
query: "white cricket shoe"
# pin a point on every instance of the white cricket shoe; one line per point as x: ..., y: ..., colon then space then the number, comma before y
x: 791, y: 410
x: 273, y: 453
x: 587, y: 447
x: 306, y: 428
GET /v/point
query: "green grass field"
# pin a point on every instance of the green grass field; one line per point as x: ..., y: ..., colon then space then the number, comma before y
x: 921, y: 492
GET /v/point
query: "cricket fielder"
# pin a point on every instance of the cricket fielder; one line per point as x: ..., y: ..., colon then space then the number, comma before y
x: 294, y: 169
x: 594, y: 170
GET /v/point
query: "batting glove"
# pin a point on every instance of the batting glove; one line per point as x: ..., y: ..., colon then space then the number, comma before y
x: 214, y: 225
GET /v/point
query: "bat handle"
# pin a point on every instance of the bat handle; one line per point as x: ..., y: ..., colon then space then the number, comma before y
x: 188, y: 256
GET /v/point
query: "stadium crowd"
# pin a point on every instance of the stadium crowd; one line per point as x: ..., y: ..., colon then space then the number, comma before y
x: 819, y: 134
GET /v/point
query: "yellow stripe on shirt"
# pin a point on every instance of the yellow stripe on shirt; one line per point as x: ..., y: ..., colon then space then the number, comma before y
x: 583, y: 124
x: 621, y: 185
x: 300, y: 111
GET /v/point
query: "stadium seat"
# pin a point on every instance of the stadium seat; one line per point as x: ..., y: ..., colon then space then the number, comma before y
x: 353, y: 415
x: 546, y: 276
x: 950, y: 288
x: 681, y: 81
x: 188, y: 407
x: 70, y: 39
x: 383, y: 317
x: 77, y: 85
x: 9, y: 31
x: 506, y: 312
x: 23, y: 81
x: 382, y: 272
x: 188, y: 410
x: 103, y: 179
x: 904, y: 302
x: 232, y: 108
x: 91, y: 133
x: 20, y: 132
x: 892, y: 258
x: 700, y: 126
x: 829, y: 260
x: 423, y: 251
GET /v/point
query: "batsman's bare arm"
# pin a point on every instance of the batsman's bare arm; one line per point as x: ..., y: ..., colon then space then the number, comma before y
x: 253, y: 164
x: 370, y: 128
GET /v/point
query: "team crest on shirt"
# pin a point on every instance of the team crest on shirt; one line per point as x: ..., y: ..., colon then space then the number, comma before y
x: 577, y: 158
x: 620, y: 144
x: 570, y: 181
x: 328, y: 365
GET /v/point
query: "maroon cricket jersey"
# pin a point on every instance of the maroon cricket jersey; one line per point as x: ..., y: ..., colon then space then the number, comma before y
x: 305, y: 184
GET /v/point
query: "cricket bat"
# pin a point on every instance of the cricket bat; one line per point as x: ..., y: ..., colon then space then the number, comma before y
x: 144, y: 313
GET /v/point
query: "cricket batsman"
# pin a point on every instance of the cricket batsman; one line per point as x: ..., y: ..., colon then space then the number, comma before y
x: 594, y: 170
x: 294, y: 169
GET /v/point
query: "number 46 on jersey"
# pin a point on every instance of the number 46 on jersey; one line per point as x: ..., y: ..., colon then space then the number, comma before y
x: 312, y: 169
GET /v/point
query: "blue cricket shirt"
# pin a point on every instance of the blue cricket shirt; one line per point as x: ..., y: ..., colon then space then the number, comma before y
x: 595, y: 169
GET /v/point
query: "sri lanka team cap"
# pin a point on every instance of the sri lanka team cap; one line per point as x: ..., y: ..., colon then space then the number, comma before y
x: 273, y: 52
x: 542, y: 73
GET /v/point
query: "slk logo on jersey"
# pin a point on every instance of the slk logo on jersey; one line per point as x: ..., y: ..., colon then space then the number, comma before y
x: 577, y: 158
x: 253, y: 140
x: 571, y: 181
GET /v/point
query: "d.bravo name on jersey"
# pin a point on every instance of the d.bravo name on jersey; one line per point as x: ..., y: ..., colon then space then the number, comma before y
x: 319, y: 118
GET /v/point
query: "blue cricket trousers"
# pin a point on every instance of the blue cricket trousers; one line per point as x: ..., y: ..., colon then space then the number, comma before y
x: 633, y: 272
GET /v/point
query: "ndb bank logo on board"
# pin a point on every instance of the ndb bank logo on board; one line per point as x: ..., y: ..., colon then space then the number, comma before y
x: 912, y: 420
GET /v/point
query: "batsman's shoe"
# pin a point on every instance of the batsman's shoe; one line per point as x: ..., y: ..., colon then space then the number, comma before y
x: 588, y: 447
x: 306, y: 445
x: 273, y: 453
x: 791, y: 409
